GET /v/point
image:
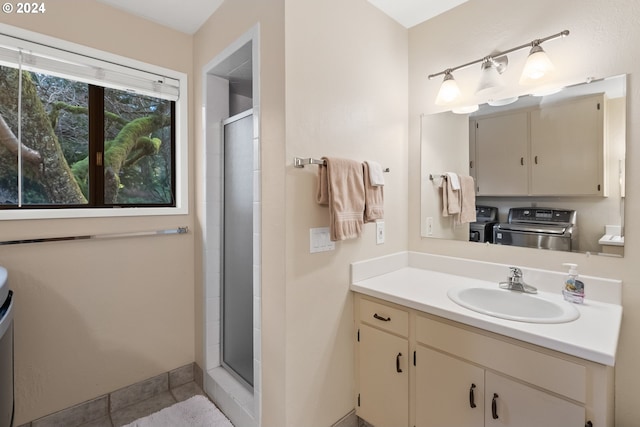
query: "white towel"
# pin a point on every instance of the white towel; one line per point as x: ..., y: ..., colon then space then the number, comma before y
x: 376, y: 175
x: 373, y: 198
x: 454, y: 182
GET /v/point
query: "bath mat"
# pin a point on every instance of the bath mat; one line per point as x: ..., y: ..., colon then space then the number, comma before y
x: 197, y: 411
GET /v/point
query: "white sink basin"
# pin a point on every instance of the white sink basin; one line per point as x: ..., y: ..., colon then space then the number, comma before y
x: 513, y: 305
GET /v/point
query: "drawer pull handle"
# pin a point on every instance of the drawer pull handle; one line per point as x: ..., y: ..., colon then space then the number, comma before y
x: 398, y: 369
x: 494, y: 406
x: 472, y: 400
x: 384, y: 319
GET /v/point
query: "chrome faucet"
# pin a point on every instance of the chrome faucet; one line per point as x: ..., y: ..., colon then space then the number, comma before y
x: 516, y: 283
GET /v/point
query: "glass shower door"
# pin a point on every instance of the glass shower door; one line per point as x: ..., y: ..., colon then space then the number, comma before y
x: 237, y: 274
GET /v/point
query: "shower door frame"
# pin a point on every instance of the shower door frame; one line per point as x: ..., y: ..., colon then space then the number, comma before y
x: 223, y: 363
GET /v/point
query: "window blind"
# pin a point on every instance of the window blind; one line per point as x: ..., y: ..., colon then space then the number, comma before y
x: 39, y: 58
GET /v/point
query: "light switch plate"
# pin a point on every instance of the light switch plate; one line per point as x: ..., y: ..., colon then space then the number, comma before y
x: 320, y: 241
x: 429, y: 226
x: 379, y: 232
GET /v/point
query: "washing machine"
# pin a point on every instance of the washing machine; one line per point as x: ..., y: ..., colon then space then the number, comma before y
x: 6, y: 352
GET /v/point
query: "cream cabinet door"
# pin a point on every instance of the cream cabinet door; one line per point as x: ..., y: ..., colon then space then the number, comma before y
x: 383, y: 372
x: 567, y: 148
x: 501, y: 144
x: 509, y: 403
x: 449, y: 391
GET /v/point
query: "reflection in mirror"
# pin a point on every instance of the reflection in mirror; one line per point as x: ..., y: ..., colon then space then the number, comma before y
x: 548, y: 170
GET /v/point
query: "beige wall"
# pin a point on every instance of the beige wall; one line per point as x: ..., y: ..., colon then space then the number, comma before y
x: 346, y: 68
x: 602, y: 43
x: 94, y: 316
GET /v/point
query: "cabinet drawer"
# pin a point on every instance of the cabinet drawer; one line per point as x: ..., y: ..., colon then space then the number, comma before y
x: 384, y: 317
x: 552, y: 373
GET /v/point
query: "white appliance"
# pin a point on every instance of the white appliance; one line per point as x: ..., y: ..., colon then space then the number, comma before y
x: 6, y: 352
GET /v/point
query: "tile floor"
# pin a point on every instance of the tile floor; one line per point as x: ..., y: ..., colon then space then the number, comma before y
x: 130, y: 413
x: 123, y: 406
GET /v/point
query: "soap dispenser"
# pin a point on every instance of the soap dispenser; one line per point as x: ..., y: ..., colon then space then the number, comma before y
x: 573, y: 290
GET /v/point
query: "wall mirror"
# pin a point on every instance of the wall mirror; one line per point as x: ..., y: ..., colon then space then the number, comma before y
x: 555, y: 159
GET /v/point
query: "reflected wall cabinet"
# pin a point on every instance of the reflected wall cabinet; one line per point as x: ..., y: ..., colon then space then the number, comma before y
x: 551, y: 150
x: 415, y: 369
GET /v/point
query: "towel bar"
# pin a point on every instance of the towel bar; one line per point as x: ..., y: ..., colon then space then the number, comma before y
x: 299, y: 162
x: 179, y: 230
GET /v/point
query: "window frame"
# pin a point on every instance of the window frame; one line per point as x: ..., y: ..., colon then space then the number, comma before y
x: 116, y: 63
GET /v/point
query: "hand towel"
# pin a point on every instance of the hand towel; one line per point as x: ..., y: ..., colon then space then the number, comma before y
x: 376, y: 174
x: 373, y: 197
x: 451, y: 203
x: 468, y: 199
x: 345, y: 195
x: 453, y: 180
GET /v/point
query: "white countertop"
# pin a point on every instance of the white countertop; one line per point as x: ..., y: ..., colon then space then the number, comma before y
x: 593, y: 336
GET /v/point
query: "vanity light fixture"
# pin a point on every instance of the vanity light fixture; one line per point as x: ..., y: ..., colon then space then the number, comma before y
x: 449, y: 91
x: 537, y: 65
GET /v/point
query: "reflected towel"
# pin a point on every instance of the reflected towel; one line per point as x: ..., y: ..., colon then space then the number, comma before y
x: 452, y: 177
x: 373, y: 196
x: 461, y: 202
x: 344, y: 183
x: 451, y: 202
x: 468, y: 199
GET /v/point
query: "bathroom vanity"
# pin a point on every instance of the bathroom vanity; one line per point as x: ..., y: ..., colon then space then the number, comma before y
x: 422, y: 360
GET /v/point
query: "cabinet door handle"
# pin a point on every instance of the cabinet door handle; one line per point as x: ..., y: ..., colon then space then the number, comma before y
x: 535, y: 159
x: 384, y: 319
x: 588, y: 424
x: 472, y: 401
x: 398, y: 369
x: 494, y: 406
x: 521, y: 161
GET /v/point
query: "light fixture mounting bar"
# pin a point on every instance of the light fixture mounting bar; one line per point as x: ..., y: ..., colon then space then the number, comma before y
x: 532, y: 43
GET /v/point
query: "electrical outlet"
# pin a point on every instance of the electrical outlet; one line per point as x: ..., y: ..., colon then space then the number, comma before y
x: 379, y: 232
x: 429, y: 225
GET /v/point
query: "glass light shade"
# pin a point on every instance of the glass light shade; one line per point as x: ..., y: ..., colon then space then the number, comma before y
x: 537, y: 66
x: 490, y: 80
x: 449, y: 91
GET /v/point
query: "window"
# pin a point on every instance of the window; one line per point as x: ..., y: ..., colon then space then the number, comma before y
x: 84, y: 135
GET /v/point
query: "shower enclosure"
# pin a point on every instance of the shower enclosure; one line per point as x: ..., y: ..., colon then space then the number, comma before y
x: 237, y: 254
